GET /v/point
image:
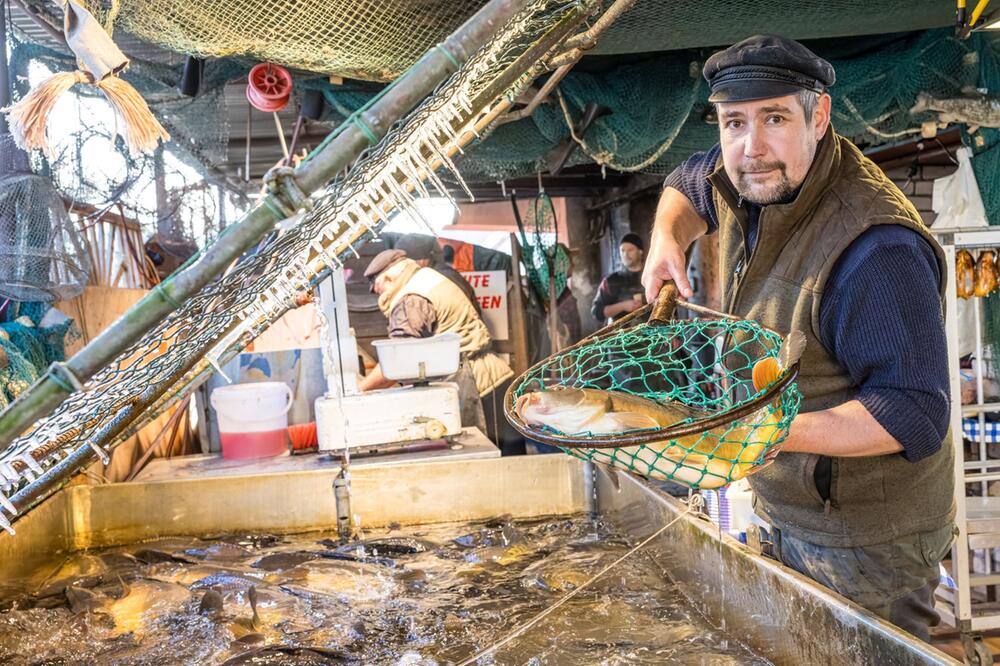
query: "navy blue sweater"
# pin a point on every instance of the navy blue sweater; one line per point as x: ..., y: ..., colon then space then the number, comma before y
x: 880, y: 318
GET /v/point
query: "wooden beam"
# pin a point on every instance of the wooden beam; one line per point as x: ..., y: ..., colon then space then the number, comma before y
x: 518, y: 321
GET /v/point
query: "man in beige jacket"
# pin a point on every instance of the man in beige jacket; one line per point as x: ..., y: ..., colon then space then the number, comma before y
x: 420, y: 302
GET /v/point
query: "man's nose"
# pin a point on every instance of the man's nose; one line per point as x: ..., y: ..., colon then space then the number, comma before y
x: 754, y: 145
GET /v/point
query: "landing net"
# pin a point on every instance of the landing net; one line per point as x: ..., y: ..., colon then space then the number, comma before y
x: 714, y: 424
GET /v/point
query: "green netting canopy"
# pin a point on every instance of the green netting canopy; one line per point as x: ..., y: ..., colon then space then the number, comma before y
x: 378, y: 39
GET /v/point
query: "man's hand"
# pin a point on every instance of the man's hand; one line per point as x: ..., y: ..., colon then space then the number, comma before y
x: 630, y: 305
x: 676, y: 226
x: 374, y: 380
x: 666, y: 263
x: 621, y: 307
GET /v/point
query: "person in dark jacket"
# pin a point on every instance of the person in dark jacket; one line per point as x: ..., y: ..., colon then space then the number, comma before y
x: 814, y: 237
x: 621, y: 292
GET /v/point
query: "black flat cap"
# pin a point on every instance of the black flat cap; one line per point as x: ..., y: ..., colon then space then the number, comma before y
x: 382, y: 261
x: 765, y: 66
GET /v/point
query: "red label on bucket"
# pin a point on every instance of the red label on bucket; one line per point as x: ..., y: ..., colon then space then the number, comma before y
x: 244, y: 445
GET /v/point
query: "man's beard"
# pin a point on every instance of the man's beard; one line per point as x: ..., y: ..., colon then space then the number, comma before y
x: 771, y: 194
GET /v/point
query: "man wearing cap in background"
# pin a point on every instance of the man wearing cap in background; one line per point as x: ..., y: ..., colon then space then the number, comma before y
x: 426, y: 251
x: 621, y: 292
x: 814, y: 237
x: 420, y: 302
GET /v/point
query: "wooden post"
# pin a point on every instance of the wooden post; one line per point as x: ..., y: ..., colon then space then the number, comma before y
x: 518, y: 322
x: 553, y: 319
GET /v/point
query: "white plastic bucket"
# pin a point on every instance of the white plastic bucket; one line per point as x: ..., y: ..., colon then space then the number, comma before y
x: 253, y: 419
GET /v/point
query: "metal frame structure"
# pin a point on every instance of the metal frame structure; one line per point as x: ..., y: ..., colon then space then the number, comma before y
x: 977, y: 518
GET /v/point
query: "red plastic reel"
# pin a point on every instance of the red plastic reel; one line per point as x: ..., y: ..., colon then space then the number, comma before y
x: 269, y: 87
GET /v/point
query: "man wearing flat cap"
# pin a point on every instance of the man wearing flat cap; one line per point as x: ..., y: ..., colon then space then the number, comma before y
x: 420, y: 302
x: 813, y: 236
x: 426, y: 251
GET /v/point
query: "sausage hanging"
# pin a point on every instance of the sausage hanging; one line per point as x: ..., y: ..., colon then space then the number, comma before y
x: 985, y: 274
x: 965, y: 273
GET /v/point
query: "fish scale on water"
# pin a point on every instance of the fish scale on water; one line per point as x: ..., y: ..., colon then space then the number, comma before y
x: 362, y: 613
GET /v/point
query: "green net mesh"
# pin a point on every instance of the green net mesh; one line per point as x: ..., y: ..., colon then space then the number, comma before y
x: 378, y: 39
x: 687, y: 372
x: 660, y: 112
x: 544, y: 257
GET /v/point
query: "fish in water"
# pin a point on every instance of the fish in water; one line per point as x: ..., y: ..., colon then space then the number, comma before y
x: 225, y: 582
x: 976, y: 111
x: 349, y: 557
x: 709, y: 462
x: 127, y: 613
x: 244, y: 627
x: 391, y: 546
x: 82, y: 600
x: 152, y: 556
x: 211, y: 602
x: 219, y: 552
x: 245, y: 630
x: 282, y: 561
x: 275, y: 655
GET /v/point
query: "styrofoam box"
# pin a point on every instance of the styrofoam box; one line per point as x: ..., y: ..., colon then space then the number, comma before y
x: 401, y: 358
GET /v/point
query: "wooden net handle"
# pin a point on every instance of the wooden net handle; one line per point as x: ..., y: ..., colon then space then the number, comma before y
x: 666, y: 303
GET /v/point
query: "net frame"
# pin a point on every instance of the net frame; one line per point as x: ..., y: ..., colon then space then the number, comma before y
x: 623, y: 449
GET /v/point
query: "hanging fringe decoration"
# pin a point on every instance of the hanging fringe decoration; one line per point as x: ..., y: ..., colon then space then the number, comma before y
x: 100, y: 61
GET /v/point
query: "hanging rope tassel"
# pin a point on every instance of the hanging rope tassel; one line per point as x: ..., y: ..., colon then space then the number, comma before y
x: 142, y: 130
x: 29, y: 117
x: 100, y: 62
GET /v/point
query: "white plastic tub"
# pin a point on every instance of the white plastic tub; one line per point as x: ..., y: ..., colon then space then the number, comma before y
x: 418, y: 358
x: 253, y: 419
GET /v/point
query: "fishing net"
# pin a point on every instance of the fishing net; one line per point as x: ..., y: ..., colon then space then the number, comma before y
x: 660, y: 112
x: 378, y: 39
x: 42, y: 257
x: 716, y: 424
x: 543, y: 255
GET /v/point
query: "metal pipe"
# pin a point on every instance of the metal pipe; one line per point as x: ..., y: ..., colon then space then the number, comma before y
x: 342, y: 498
x: 586, y: 40
x: 335, y: 155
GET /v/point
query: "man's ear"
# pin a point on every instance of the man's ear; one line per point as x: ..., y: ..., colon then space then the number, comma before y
x: 821, y: 119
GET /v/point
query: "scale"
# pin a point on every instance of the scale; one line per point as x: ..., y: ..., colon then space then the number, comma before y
x: 424, y: 408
